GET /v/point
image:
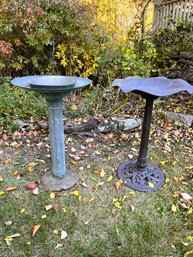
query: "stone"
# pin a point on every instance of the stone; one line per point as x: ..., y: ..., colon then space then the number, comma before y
x: 22, y: 125
x: 185, y: 119
x: 105, y: 128
x: 127, y: 124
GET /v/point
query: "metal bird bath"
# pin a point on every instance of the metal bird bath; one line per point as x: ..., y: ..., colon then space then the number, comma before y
x: 54, y: 88
x: 139, y: 174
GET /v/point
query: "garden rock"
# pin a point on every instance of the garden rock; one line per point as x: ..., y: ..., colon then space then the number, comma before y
x: 183, y: 118
x: 22, y: 125
x: 107, y: 127
x: 127, y: 124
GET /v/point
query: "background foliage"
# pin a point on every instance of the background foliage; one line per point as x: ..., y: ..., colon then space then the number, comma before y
x: 38, y: 36
x: 98, y: 39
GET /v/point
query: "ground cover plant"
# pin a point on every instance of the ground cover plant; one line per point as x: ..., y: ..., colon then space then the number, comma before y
x: 99, y: 216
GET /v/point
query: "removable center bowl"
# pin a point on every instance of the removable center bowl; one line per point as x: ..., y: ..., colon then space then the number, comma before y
x: 52, y: 82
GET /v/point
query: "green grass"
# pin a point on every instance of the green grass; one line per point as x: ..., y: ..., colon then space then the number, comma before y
x: 94, y: 226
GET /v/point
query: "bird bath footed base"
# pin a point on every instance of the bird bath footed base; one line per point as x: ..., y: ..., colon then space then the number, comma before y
x: 54, y: 89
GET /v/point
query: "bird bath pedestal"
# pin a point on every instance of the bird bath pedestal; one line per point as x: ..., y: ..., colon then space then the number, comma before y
x: 54, y: 89
x: 139, y: 174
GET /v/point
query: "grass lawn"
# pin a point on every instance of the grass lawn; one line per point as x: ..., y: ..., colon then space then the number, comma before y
x: 99, y: 219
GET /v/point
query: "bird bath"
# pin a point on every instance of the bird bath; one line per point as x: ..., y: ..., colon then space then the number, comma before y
x: 139, y: 174
x: 54, y: 89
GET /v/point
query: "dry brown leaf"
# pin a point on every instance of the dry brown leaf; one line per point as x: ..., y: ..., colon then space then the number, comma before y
x: 11, y: 188
x: 183, y: 206
x: 6, y: 161
x: 17, y: 175
x: 1, y: 179
x: 56, y: 207
x: 35, y: 229
x: 118, y: 184
x: 36, y: 191
x: 75, y: 213
x: 84, y: 184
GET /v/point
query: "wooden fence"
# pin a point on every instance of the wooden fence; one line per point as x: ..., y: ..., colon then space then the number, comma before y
x: 167, y: 13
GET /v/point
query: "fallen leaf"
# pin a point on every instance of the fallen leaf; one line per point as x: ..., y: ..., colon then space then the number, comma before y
x: 75, y: 213
x: 183, y: 206
x: 73, y: 107
x: 63, y: 234
x: 84, y: 184
x: 31, y: 185
x: 8, y: 240
x: 2, y: 193
x: 35, y: 229
x: 17, y: 175
x: 186, y: 196
x: 8, y: 223
x: 6, y: 161
x: 31, y: 166
x: 52, y: 195
x: 132, y: 193
x: 132, y: 207
x: 64, y: 210
x: 56, y: 207
x: 150, y: 184
x: 58, y: 245
x: 76, y: 193
x: 73, y: 150
x: 55, y: 232
x: 1, y: 179
x: 116, y: 203
x: 109, y: 158
x: 91, y: 200
x: 190, y: 238
x: 109, y: 178
x: 36, y: 191
x: 44, y: 216
x: 162, y: 162
x: 118, y: 184
x: 174, y: 209
x: 23, y: 210
x: 11, y: 188
x: 102, y: 173
x: 167, y: 180
x: 48, y: 207
x: 12, y: 236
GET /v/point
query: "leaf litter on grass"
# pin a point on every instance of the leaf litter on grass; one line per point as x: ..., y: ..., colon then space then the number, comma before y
x: 100, y: 199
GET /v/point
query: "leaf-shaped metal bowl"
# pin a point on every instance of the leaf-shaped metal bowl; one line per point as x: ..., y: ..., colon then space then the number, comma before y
x: 158, y: 86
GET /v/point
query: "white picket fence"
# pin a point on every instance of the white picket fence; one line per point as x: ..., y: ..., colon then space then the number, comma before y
x: 167, y: 13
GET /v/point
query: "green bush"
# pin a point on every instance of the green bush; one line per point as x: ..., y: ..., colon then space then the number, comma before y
x: 16, y: 103
x: 169, y: 44
x: 33, y: 35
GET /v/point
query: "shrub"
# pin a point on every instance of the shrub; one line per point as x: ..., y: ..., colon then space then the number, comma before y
x: 34, y: 34
x: 16, y: 103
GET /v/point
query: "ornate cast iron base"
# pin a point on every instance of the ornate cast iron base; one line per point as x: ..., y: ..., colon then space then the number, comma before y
x: 147, y: 180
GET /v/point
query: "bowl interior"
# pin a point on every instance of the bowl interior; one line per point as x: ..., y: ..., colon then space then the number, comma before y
x: 52, y: 81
